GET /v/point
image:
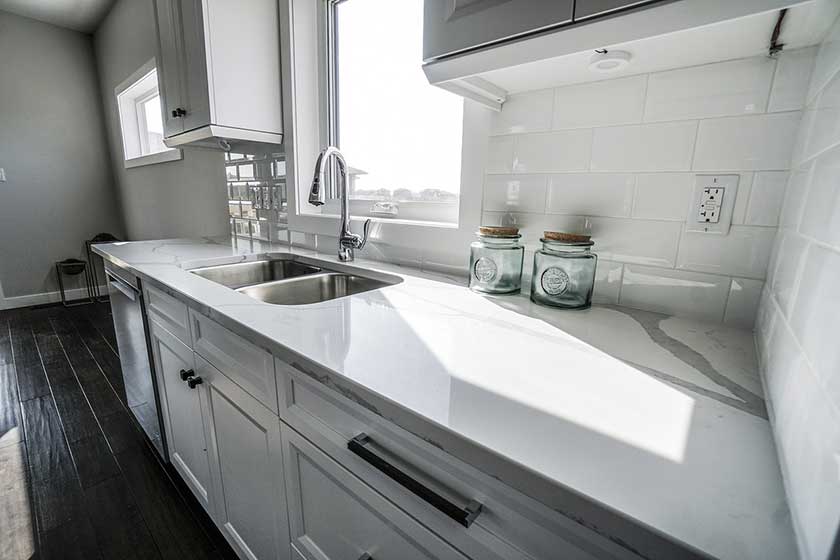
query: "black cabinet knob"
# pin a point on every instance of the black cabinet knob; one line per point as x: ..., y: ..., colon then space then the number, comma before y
x: 179, y: 112
x: 186, y: 374
x: 193, y: 381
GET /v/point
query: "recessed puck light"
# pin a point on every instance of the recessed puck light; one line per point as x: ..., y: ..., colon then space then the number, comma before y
x: 609, y: 61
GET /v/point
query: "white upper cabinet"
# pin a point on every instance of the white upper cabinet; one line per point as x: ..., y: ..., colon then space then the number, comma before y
x: 451, y: 26
x: 485, y: 50
x: 219, y: 71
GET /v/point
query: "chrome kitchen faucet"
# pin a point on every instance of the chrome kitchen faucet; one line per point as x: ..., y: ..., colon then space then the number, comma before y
x: 347, y: 240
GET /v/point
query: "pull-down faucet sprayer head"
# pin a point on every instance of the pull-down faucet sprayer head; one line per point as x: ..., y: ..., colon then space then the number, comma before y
x: 316, y: 192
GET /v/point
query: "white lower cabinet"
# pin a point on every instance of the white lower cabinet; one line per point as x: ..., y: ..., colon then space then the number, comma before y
x: 181, y: 405
x: 335, y: 516
x: 247, y: 468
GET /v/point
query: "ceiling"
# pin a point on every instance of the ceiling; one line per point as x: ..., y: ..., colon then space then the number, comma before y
x: 79, y: 15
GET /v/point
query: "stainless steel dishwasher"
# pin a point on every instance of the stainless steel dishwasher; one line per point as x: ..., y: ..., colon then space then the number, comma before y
x: 132, y: 331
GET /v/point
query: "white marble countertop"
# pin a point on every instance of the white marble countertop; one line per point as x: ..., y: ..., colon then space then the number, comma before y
x: 658, y: 419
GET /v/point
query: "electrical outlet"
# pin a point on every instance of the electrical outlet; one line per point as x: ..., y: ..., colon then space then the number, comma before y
x: 712, y: 204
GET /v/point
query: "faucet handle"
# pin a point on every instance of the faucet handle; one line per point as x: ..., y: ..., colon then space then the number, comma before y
x: 365, y: 231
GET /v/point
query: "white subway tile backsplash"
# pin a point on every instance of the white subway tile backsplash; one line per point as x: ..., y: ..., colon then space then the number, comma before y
x: 828, y: 61
x: 734, y: 87
x: 815, y: 315
x: 500, y: 154
x: 675, y: 292
x: 525, y: 112
x: 591, y: 194
x: 791, y: 249
x: 795, y: 196
x: 821, y: 216
x: 766, y: 196
x: 745, y: 251
x: 790, y: 84
x: 758, y: 142
x: 515, y: 193
x: 553, y: 152
x: 610, y: 102
x: 607, y: 282
x: 742, y: 199
x: 651, y: 147
x: 635, y: 241
x: 742, y: 304
x: 662, y: 196
x: 825, y: 128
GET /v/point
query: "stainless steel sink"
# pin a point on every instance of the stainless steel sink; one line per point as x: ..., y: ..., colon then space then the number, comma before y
x: 312, y: 289
x: 288, y: 279
x: 238, y: 275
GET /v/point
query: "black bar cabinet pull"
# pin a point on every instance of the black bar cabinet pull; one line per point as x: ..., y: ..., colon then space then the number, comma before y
x: 465, y: 516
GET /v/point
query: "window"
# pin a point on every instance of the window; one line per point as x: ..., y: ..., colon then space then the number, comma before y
x: 141, y: 122
x: 401, y: 136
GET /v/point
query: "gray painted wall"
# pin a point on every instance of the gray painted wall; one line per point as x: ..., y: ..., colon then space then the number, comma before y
x: 177, y: 199
x: 52, y: 144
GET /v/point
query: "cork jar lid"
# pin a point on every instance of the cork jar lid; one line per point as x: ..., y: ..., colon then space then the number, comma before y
x: 498, y: 231
x: 568, y: 238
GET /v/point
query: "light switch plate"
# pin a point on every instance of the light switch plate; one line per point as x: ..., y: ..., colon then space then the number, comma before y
x: 2, y: 175
x: 712, y: 203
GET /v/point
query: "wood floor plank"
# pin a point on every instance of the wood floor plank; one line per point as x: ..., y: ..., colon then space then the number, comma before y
x: 167, y: 515
x: 74, y: 411
x: 93, y: 460
x: 120, y: 431
x: 74, y: 540
x: 42, y: 427
x: 18, y: 534
x: 58, y: 500
x: 11, y: 430
x: 117, y: 522
x: 102, y: 397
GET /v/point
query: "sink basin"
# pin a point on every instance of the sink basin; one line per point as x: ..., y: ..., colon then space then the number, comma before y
x: 313, y: 289
x: 241, y: 274
x: 289, y: 279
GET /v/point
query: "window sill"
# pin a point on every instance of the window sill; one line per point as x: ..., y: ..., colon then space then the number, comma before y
x: 152, y: 159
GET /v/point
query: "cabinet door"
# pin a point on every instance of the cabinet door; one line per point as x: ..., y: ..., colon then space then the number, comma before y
x: 169, y: 65
x: 450, y: 26
x: 182, y: 413
x: 246, y: 461
x: 194, y: 74
x: 335, y: 516
x: 589, y: 8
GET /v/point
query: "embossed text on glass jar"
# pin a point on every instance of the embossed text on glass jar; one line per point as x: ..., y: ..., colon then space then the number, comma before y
x: 564, y: 274
x: 496, y: 263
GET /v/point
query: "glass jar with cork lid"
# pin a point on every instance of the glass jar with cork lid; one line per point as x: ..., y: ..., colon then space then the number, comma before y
x: 564, y: 271
x: 496, y: 260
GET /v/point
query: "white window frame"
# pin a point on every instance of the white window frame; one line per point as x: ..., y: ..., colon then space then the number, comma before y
x: 131, y: 115
x: 306, y: 113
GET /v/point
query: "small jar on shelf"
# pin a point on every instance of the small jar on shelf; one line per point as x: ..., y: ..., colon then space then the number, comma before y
x: 564, y: 271
x: 496, y: 260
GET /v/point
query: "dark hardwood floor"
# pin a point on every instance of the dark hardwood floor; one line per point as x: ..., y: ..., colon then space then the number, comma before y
x: 78, y: 479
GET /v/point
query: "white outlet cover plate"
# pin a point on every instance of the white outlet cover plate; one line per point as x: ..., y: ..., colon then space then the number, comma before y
x: 729, y: 184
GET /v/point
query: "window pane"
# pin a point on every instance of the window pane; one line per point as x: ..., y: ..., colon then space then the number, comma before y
x: 154, y: 124
x: 400, y: 135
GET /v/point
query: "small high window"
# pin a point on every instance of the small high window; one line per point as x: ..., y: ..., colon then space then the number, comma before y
x: 141, y: 123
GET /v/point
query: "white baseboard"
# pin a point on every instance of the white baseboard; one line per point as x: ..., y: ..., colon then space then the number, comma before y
x: 45, y: 297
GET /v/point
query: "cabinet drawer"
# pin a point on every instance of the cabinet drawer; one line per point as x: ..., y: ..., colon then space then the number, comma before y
x: 510, y: 524
x: 169, y: 313
x: 246, y: 365
x: 335, y: 516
